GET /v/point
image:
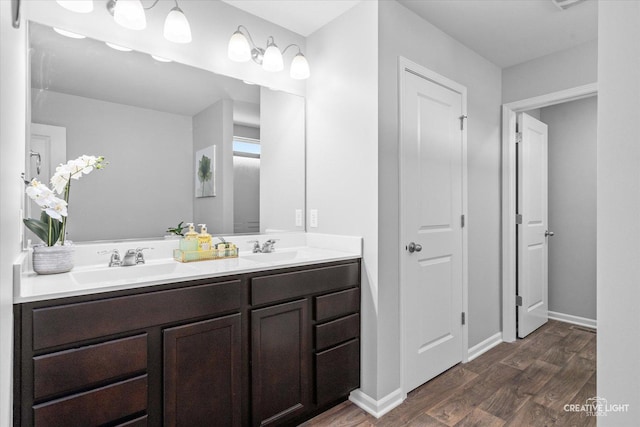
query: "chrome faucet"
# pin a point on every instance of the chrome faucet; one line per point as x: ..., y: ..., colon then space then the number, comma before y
x: 133, y: 257
x: 265, y: 248
x: 268, y: 246
x: 115, y: 260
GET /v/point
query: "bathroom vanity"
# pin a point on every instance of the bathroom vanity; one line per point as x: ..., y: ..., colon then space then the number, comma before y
x: 270, y: 346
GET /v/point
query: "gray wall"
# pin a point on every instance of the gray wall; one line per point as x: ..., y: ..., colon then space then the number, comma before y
x: 282, y: 160
x: 618, y: 160
x: 399, y: 31
x: 13, y: 105
x: 246, y: 131
x: 214, y: 126
x: 557, y: 71
x: 572, y: 206
x: 149, y: 154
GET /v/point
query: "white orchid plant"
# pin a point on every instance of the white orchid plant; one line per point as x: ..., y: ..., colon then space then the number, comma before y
x: 51, y: 226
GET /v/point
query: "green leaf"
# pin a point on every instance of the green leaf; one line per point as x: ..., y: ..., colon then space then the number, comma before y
x: 38, y: 227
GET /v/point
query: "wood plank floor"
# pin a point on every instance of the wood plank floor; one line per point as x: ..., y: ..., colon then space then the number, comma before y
x: 525, y: 383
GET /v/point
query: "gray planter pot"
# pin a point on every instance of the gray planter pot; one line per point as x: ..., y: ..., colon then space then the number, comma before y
x: 52, y: 259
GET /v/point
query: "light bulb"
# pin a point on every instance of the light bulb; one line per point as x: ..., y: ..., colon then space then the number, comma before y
x: 239, y: 49
x: 130, y: 14
x: 68, y: 33
x: 176, y: 27
x: 272, y: 60
x: 79, y: 6
x: 299, y: 67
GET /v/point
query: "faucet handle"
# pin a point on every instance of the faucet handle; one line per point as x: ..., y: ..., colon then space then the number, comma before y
x: 115, y: 260
x: 140, y: 255
x: 256, y: 245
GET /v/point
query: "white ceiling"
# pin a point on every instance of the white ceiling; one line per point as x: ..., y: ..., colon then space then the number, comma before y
x: 509, y: 32
x: 506, y: 32
x: 300, y: 16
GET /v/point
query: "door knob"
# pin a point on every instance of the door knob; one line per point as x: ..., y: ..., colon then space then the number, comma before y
x: 413, y: 247
x: 549, y: 233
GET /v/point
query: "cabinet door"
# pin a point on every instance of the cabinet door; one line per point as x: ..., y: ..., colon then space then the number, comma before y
x: 202, y: 373
x: 280, y: 357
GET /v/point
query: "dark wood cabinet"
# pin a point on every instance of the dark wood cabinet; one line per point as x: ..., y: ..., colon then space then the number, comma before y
x: 262, y: 348
x: 202, y: 373
x: 280, y: 362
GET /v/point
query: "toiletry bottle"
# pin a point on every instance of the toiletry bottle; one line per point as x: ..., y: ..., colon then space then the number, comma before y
x: 190, y: 241
x: 204, y: 238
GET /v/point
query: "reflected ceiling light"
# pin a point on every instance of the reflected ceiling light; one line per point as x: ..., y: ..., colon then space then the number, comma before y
x: 118, y: 47
x: 242, y: 48
x: 79, y: 6
x: 130, y: 14
x: 161, y: 59
x: 68, y: 33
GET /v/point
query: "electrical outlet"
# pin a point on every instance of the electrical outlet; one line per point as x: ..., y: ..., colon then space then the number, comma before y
x: 298, y: 217
x: 313, y: 218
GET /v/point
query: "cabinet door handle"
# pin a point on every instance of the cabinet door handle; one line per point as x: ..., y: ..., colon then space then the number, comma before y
x: 414, y: 247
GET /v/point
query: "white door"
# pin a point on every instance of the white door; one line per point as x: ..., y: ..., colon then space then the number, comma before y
x: 432, y: 201
x: 532, y: 228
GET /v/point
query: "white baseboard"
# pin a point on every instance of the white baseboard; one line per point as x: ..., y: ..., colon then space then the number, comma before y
x: 484, y: 346
x: 377, y: 408
x: 576, y: 320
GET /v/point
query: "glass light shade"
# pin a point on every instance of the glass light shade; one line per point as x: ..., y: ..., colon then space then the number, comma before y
x: 176, y: 27
x: 80, y: 6
x: 299, y: 67
x: 68, y: 33
x: 239, y: 49
x: 272, y: 60
x: 130, y: 14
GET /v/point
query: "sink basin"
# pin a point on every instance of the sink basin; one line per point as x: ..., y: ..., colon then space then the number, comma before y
x: 276, y: 256
x: 136, y: 273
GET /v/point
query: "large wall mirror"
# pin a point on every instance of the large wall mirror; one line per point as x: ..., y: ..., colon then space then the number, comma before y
x: 154, y: 121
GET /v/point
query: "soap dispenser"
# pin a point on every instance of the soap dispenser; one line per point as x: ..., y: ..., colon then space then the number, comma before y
x: 190, y: 241
x: 204, y: 238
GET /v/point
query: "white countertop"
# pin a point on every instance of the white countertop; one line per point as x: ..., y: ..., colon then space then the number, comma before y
x: 88, y: 277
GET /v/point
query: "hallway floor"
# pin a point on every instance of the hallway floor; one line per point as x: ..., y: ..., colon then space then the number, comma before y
x: 525, y: 383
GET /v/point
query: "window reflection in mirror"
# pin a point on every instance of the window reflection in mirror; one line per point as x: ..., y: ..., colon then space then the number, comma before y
x: 149, y: 118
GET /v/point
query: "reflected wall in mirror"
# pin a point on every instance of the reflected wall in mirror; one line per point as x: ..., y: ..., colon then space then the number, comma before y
x: 148, y: 118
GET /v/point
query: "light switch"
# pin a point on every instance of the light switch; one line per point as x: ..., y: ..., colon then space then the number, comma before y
x: 313, y: 218
x: 298, y: 217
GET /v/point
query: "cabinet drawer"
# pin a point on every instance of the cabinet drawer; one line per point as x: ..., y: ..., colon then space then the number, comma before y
x: 283, y: 286
x: 76, y: 322
x: 95, y: 407
x: 337, y: 371
x: 83, y: 367
x: 337, y: 331
x: 337, y: 304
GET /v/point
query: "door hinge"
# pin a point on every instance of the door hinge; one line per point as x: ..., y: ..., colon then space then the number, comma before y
x: 518, y: 218
x: 518, y: 137
x: 464, y: 318
x: 462, y: 121
x: 462, y: 221
x: 518, y: 300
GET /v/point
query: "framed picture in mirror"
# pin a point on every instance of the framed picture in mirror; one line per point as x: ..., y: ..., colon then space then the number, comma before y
x: 205, y: 176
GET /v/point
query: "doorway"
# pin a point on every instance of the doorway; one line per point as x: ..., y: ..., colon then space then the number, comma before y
x: 509, y: 199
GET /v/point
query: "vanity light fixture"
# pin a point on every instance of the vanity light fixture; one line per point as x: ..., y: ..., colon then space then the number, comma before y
x: 79, y: 6
x: 242, y: 48
x: 130, y: 14
x: 118, y: 47
x: 68, y: 33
